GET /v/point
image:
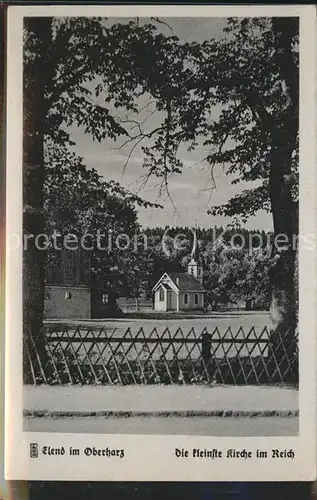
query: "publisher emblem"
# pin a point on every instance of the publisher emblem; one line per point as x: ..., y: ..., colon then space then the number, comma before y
x: 34, y: 450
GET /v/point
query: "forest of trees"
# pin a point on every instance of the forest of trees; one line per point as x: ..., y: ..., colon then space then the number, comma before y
x: 235, y: 273
x: 235, y: 261
x: 78, y: 202
x: 78, y: 70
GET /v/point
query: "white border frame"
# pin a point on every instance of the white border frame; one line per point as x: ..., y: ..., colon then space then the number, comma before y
x: 152, y: 458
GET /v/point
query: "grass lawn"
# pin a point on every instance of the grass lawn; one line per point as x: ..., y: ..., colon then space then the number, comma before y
x: 160, y: 321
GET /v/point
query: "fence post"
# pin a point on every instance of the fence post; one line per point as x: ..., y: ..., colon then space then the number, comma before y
x: 206, y: 350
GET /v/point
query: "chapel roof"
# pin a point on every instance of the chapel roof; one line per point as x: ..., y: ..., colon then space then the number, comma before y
x: 186, y: 282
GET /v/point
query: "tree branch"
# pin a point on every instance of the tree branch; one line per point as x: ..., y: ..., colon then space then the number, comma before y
x: 59, y: 90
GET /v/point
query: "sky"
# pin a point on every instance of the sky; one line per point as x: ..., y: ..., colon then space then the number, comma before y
x: 192, y: 192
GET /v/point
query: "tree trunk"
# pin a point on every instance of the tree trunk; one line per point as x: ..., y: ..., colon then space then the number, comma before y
x: 283, y: 314
x: 248, y: 304
x: 34, y: 257
x: 283, y: 319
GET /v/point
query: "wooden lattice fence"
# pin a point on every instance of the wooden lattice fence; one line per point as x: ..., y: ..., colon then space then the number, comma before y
x: 99, y: 356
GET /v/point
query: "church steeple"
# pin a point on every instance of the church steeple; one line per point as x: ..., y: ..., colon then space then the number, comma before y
x: 195, y: 255
x: 195, y: 267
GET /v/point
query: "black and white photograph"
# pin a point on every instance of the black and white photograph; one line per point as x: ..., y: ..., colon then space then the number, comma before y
x: 161, y: 213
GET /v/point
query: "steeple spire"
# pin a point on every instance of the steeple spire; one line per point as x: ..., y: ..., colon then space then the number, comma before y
x: 195, y: 255
x: 195, y: 265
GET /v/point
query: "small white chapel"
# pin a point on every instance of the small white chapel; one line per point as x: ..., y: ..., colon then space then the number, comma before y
x: 182, y: 291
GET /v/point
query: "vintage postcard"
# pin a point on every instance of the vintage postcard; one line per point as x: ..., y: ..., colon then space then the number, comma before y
x: 161, y: 243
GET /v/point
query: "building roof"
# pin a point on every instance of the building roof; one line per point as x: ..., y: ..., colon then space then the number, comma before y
x: 186, y: 282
